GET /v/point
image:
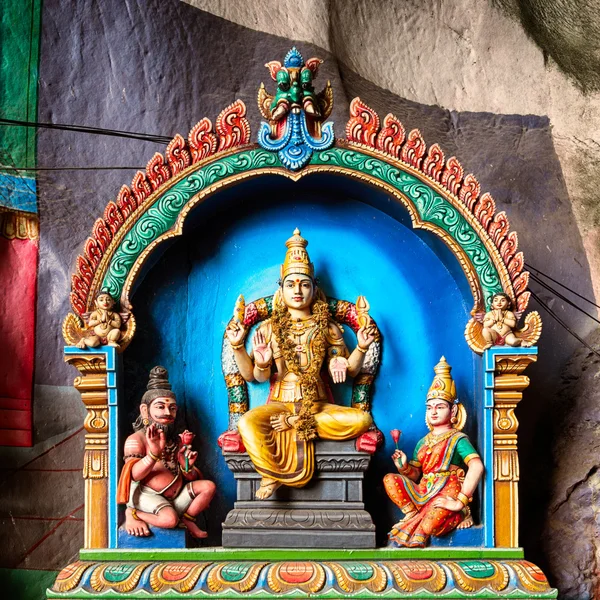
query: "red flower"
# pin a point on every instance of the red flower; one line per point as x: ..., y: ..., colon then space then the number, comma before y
x: 187, y: 437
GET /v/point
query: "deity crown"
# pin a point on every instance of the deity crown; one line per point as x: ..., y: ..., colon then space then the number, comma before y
x: 296, y: 258
x: 443, y: 386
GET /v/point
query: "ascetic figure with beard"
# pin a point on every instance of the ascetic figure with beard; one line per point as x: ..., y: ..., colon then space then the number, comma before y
x: 160, y: 483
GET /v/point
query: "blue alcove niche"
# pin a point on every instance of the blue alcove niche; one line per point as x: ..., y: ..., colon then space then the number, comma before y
x: 361, y: 242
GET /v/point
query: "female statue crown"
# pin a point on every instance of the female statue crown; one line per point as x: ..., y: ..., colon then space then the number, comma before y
x: 442, y: 386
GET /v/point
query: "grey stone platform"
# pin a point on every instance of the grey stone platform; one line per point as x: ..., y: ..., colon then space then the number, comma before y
x: 327, y: 513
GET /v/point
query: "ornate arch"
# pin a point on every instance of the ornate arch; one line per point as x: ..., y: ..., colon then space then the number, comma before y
x: 437, y: 193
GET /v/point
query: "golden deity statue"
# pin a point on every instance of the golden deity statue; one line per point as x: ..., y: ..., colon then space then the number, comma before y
x: 299, y: 338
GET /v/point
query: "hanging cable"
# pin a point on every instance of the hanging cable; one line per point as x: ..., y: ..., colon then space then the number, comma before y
x: 562, y: 323
x: 160, y: 139
x: 562, y: 285
x: 559, y: 295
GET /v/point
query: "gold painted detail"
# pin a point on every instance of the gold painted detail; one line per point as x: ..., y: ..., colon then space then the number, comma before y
x: 309, y: 577
x: 74, y: 330
x: 476, y: 577
x: 234, y: 379
x: 528, y: 334
x: 70, y: 576
x: 241, y: 577
x: 414, y: 575
x: 179, y: 577
x: 17, y: 224
x: 120, y: 578
x: 356, y: 577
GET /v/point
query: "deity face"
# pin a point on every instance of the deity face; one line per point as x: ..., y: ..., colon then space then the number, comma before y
x: 499, y: 302
x: 105, y: 302
x: 298, y: 291
x: 438, y: 412
x: 161, y: 412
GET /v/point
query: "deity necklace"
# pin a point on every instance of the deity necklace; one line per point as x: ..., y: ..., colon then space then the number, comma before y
x: 168, y: 458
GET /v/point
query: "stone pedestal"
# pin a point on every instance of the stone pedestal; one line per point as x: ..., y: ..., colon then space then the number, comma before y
x: 327, y: 513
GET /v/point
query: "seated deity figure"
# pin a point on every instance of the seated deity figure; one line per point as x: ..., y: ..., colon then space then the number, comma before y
x: 499, y: 323
x: 104, y: 324
x: 299, y: 339
x: 433, y: 490
x: 160, y: 482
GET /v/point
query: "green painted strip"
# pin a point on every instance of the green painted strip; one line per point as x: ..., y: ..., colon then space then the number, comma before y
x: 432, y: 207
x: 19, y: 65
x: 162, y: 215
x: 293, y: 554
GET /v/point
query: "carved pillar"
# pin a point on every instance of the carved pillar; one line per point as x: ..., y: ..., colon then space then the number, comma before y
x: 92, y: 385
x: 509, y: 384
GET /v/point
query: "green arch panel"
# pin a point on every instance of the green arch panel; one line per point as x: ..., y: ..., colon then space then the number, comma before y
x: 431, y: 207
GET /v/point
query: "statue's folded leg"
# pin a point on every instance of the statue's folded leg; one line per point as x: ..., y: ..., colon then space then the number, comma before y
x: 340, y: 422
x: 277, y: 456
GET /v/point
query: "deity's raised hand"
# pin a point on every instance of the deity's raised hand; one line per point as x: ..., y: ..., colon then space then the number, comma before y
x: 262, y: 350
x: 156, y: 439
x: 235, y: 333
x: 338, y: 367
x: 366, y: 336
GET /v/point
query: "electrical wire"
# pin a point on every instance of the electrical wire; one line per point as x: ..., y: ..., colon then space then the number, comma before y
x: 559, y: 295
x: 160, y: 139
x: 562, y: 323
x: 562, y: 285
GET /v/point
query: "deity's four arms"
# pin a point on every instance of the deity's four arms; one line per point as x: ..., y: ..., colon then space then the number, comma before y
x: 433, y: 490
x: 160, y: 483
x: 297, y: 340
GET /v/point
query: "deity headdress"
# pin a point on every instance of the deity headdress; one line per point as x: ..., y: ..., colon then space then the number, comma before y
x: 296, y: 258
x: 158, y: 386
x: 443, y: 388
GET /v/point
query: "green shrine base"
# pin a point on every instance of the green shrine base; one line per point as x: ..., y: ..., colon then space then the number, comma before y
x: 290, y: 573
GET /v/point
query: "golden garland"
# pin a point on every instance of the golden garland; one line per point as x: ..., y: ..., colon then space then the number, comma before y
x: 281, y: 321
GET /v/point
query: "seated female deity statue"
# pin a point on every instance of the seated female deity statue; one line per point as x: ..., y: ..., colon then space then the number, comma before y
x: 433, y: 490
x: 299, y: 339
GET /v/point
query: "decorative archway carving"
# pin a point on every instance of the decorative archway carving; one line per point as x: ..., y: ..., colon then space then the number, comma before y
x: 435, y: 191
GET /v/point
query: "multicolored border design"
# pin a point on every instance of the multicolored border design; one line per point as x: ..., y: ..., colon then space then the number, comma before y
x: 468, y: 578
x: 434, y: 191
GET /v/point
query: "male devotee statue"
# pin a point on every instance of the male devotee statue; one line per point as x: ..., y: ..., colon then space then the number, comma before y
x: 299, y: 339
x: 160, y: 483
x: 433, y: 490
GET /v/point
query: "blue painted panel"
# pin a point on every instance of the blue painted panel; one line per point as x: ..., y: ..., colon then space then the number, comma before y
x: 18, y: 192
x: 236, y: 245
x: 160, y: 538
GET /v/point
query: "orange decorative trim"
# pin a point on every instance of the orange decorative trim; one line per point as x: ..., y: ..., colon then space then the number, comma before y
x: 17, y: 224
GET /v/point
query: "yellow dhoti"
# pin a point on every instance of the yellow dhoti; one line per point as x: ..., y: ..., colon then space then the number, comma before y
x: 283, y: 457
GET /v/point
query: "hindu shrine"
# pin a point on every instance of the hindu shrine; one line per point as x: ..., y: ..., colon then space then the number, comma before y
x: 298, y: 303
